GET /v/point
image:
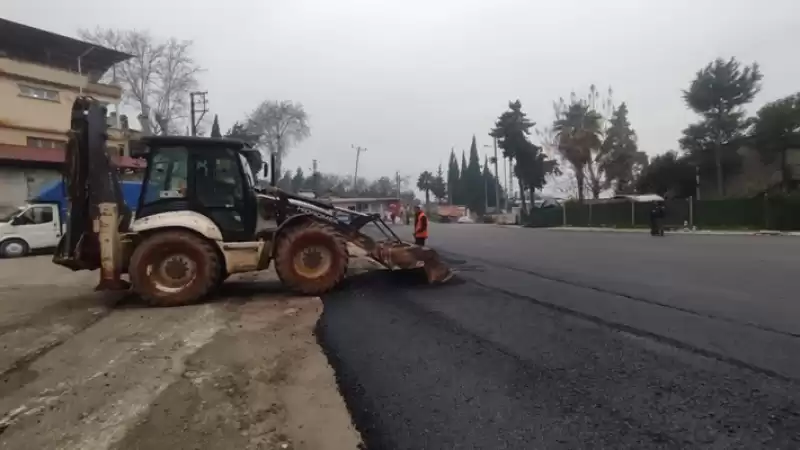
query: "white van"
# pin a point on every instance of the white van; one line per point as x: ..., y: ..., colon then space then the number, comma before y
x: 31, y: 227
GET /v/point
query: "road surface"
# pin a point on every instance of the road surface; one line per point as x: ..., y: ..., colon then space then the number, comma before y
x: 576, y: 340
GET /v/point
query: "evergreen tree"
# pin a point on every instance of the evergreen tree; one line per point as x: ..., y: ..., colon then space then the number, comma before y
x: 487, y: 180
x: 775, y: 131
x: 439, y: 188
x: 298, y: 180
x: 285, y: 182
x: 215, y: 133
x: 531, y: 165
x: 463, y: 183
x: 668, y: 175
x: 718, y: 94
x: 453, y: 176
x: 473, y: 181
x: 620, y: 159
x: 239, y: 131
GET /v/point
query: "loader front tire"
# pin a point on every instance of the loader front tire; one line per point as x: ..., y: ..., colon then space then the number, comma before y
x: 311, y: 258
x: 174, y: 268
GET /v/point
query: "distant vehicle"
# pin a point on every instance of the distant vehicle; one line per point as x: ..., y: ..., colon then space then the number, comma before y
x: 41, y: 222
x: 465, y: 219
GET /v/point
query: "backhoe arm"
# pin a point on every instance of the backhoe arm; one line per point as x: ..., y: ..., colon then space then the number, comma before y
x: 96, y: 210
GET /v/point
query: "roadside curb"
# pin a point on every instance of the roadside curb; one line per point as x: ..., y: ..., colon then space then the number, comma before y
x: 680, y: 232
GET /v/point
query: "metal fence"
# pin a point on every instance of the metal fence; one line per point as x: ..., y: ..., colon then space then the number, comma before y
x: 770, y: 213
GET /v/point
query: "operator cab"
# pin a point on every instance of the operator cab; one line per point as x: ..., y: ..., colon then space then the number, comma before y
x: 209, y: 176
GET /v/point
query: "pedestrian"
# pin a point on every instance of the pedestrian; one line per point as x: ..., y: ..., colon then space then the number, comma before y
x: 420, y: 226
x: 656, y: 219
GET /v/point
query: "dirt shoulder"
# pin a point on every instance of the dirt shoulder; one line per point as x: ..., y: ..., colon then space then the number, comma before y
x: 261, y: 383
x: 242, y: 371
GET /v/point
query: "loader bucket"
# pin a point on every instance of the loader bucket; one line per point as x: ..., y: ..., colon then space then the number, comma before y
x: 404, y: 256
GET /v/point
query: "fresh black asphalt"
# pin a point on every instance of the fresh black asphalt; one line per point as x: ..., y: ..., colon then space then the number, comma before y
x: 575, y: 340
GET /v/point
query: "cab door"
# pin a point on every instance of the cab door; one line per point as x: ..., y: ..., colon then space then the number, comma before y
x: 221, y: 193
x: 39, y: 226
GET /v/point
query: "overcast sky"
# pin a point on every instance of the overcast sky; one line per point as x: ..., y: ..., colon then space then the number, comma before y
x: 409, y: 79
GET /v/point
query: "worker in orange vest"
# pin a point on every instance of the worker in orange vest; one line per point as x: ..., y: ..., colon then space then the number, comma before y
x: 420, y: 226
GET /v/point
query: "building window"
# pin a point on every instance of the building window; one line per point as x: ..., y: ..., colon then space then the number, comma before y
x: 37, y: 92
x: 118, y: 150
x: 45, y: 143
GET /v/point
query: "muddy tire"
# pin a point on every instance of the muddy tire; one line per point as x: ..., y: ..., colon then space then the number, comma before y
x: 174, y: 268
x: 311, y: 258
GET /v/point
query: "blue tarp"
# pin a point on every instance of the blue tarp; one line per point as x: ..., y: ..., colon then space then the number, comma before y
x: 54, y: 192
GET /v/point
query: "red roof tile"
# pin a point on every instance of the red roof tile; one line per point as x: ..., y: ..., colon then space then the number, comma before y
x: 56, y: 155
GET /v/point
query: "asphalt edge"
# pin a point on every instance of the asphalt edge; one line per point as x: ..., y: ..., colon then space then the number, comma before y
x: 672, y: 233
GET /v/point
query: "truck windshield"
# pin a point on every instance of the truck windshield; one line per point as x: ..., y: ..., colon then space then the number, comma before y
x: 6, y: 216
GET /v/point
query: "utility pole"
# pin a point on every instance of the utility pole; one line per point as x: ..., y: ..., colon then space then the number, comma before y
x: 358, y: 155
x: 397, y: 182
x: 315, y: 175
x: 199, y: 105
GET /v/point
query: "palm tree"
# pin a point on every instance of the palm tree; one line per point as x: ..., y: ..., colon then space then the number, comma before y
x: 578, y: 132
x: 425, y: 183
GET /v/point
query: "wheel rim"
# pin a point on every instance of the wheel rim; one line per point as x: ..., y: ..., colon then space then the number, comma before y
x: 14, y: 249
x: 313, y: 262
x: 172, y: 273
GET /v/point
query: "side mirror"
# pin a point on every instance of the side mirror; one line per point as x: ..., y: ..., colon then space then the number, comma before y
x: 16, y: 221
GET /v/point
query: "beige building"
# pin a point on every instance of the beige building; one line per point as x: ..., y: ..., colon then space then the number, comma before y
x: 41, y: 74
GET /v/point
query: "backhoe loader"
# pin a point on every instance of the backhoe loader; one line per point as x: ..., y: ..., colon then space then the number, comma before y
x: 202, y: 217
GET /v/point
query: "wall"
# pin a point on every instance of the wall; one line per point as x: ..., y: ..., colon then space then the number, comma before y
x: 22, y: 116
x: 19, y: 184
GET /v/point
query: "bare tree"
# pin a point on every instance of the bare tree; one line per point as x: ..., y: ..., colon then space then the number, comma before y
x: 157, y: 79
x: 279, y: 125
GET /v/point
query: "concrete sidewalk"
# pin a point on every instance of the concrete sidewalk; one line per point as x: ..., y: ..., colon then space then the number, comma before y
x: 679, y: 232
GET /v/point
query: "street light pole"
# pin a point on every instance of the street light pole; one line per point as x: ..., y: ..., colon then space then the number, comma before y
x: 496, y: 174
x: 358, y: 154
x: 486, y: 190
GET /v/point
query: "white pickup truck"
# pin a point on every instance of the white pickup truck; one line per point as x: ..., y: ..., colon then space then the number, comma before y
x: 31, y: 227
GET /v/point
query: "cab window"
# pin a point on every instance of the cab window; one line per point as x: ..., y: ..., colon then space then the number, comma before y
x: 35, y: 215
x: 167, y: 175
x: 219, y: 180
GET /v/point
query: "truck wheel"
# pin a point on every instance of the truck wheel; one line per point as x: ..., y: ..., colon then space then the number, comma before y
x: 174, y: 268
x: 14, y: 248
x: 311, y: 258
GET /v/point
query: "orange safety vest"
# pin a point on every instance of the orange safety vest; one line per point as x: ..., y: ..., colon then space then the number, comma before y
x: 420, y: 229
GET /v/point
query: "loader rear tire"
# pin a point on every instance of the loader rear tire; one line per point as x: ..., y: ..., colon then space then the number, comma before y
x: 311, y: 258
x: 174, y: 268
